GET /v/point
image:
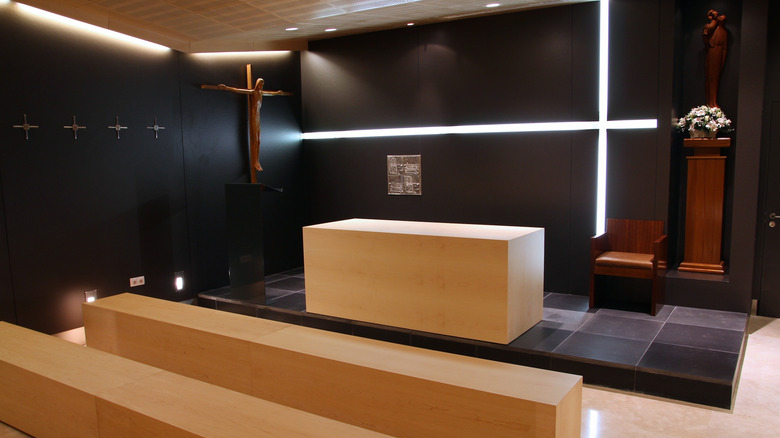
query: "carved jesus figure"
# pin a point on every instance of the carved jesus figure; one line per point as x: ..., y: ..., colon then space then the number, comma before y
x: 255, y: 101
x: 715, y: 40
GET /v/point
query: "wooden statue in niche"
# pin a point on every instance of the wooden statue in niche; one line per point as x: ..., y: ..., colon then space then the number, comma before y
x: 715, y: 40
x: 255, y: 94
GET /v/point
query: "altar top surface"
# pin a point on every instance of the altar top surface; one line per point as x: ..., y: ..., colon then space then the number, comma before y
x: 438, y: 229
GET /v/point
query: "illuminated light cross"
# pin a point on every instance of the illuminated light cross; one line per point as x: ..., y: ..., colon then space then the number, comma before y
x: 26, y: 126
x: 602, y: 125
x: 75, y: 127
x: 156, y: 127
x: 117, y: 127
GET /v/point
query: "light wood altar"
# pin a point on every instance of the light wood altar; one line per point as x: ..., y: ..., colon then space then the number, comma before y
x: 704, y: 208
x: 478, y: 282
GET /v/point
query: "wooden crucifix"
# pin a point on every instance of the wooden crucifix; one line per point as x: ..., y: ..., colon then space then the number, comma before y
x: 255, y: 93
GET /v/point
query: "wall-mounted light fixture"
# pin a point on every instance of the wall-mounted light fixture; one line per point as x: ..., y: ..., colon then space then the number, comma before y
x: 179, y: 280
x: 90, y: 295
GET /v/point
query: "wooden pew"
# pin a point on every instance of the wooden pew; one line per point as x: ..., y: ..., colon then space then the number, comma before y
x: 389, y: 388
x: 53, y: 388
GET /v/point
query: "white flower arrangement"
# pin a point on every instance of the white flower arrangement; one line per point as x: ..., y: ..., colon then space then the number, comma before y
x: 704, y: 118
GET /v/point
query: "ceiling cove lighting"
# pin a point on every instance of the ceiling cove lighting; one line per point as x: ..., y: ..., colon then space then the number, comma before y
x: 602, y: 125
x: 264, y: 53
x: 91, y: 29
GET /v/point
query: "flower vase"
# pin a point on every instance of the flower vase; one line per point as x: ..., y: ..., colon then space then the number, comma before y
x: 702, y: 133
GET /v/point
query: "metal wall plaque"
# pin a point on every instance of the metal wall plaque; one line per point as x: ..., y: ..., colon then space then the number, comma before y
x: 404, y: 175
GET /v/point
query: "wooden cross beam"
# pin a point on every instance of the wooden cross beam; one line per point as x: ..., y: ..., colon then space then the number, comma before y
x: 255, y: 94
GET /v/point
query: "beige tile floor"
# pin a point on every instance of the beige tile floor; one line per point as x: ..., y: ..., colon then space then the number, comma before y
x: 607, y: 413
x: 755, y: 412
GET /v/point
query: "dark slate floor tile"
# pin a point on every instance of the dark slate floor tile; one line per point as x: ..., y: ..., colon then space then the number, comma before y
x: 329, y: 323
x: 619, y: 327
x: 661, y: 316
x: 242, y: 297
x: 272, y: 293
x: 381, y: 333
x: 689, y: 361
x: 275, y: 277
x: 296, y: 272
x: 448, y: 344
x: 206, y: 301
x: 216, y: 292
x: 709, y: 318
x: 242, y: 309
x: 701, y: 337
x: 603, y: 348
x: 281, y: 315
x: 567, y: 302
x: 596, y: 373
x: 540, y: 338
x: 508, y: 354
x: 564, y: 319
x: 704, y: 392
x: 293, y: 301
x: 288, y: 283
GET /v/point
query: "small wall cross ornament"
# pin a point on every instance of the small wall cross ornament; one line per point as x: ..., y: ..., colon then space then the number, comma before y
x: 75, y: 127
x: 26, y: 126
x: 117, y: 127
x: 156, y: 127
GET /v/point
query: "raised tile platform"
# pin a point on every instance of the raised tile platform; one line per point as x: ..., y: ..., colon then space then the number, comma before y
x: 682, y: 353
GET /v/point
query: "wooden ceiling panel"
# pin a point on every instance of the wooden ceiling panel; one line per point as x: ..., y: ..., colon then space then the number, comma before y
x: 225, y: 25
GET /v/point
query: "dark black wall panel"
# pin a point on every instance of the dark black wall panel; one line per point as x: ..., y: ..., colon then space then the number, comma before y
x: 215, y: 141
x: 503, y: 69
x: 533, y: 66
x: 89, y: 213
x: 631, y: 174
x: 634, y: 58
x: 364, y: 82
x: 507, y: 179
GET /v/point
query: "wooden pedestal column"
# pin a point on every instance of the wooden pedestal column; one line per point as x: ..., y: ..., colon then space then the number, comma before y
x: 704, y: 209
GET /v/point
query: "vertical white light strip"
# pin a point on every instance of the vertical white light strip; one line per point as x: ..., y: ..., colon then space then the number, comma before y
x: 601, y: 184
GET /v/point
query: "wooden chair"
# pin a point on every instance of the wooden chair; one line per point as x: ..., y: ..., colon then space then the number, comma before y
x: 631, y: 248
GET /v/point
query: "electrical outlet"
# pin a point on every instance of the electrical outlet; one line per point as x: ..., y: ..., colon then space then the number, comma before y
x: 137, y: 281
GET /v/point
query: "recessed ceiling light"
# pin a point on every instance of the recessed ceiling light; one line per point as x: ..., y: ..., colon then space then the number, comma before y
x: 331, y: 29
x: 410, y: 24
x: 492, y: 5
x: 292, y: 28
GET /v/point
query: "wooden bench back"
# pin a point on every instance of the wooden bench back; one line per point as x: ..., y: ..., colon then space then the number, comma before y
x: 394, y: 389
x: 630, y: 235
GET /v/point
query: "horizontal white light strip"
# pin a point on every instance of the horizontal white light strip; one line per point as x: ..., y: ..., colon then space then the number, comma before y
x: 247, y: 53
x: 481, y: 129
x: 103, y: 32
